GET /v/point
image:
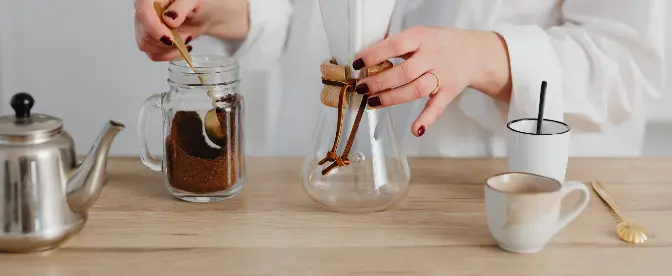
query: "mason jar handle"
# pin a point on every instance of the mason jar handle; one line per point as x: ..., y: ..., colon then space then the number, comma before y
x: 152, y: 103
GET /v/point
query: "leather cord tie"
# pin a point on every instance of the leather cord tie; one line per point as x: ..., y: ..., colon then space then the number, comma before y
x: 334, y: 76
x: 332, y: 155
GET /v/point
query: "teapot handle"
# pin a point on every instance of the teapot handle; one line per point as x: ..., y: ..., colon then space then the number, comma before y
x: 152, y: 103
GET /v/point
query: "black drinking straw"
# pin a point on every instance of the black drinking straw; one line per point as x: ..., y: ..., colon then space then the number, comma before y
x: 542, y: 99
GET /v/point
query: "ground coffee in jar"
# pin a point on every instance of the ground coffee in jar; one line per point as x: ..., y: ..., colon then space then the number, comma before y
x: 195, y: 166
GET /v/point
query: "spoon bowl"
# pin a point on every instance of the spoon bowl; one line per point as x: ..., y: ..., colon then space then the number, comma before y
x: 631, y: 233
x: 213, y: 128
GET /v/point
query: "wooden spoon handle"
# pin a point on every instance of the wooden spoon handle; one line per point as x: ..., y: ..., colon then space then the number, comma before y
x: 604, y: 195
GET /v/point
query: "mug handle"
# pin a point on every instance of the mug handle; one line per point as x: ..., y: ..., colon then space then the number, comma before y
x: 578, y: 206
x: 152, y: 103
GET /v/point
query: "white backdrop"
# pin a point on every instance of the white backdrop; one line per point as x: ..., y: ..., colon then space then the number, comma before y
x: 80, y: 62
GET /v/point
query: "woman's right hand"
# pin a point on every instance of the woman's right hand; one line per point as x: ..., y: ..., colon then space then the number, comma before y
x: 226, y: 19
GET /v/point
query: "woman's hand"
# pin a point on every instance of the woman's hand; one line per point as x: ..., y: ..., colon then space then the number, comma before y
x: 439, y: 63
x: 226, y: 19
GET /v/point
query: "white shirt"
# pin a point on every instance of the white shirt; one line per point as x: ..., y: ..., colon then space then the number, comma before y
x: 603, y: 62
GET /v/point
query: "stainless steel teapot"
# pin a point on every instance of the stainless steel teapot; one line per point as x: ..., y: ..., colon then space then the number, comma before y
x: 45, y: 193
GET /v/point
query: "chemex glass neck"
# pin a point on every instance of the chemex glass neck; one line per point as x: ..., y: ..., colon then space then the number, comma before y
x: 352, y: 25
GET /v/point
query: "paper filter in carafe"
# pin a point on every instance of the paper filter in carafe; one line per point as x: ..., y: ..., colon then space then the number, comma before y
x: 355, y: 163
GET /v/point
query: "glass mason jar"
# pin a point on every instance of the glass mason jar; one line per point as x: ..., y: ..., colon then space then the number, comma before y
x: 203, y: 158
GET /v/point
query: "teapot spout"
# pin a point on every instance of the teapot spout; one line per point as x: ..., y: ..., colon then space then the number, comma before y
x: 87, y: 180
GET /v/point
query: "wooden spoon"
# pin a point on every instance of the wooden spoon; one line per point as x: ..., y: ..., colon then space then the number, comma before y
x: 212, y: 126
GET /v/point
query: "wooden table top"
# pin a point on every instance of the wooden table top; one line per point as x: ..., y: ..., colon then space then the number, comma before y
x: 273, y: 228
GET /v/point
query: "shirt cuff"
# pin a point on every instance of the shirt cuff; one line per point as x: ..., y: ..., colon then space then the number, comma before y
x: 532, y: 60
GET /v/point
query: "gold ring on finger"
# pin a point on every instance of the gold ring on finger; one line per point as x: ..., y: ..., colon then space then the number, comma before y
x: 438, y: 84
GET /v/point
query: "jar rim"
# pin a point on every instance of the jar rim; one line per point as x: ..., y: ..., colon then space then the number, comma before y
x: 215, y: 64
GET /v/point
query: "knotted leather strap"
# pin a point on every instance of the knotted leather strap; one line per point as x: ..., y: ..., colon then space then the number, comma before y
x: 333, y: 78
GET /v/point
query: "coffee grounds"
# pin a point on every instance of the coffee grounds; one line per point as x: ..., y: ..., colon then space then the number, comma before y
x: 194, y: 166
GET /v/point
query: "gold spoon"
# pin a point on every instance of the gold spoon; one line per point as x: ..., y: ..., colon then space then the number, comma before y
x: 212, y: 127
x: 626, y: 231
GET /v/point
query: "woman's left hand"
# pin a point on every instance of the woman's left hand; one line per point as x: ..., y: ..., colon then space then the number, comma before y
x: 439, y: 63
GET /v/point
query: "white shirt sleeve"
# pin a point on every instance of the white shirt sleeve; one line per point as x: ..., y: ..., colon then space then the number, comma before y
x: 266, y: 39
x: 603, y: 64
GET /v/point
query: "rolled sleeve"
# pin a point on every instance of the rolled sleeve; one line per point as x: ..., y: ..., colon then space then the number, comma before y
x: 603, y: 65
x: 532, y: 60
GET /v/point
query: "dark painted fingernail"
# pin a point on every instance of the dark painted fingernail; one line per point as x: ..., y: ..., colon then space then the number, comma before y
x: 358, y: 64
x: 188, y: 40
x: 362, y: 88
x: 421, y: 130
x: 166, y: 40
x: 171, y: 14
x: 189, y: 48
x: 373, y: 102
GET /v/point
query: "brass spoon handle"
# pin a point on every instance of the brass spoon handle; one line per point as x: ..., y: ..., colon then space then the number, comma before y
x: 181, y: 46
x: 604, y: 195
x: 177, y: 40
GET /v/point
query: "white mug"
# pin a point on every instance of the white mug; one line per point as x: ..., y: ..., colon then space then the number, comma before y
x: 523, y: 210
x: 544, y: 154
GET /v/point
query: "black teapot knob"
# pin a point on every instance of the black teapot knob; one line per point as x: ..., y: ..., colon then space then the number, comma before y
x: 22, y: 103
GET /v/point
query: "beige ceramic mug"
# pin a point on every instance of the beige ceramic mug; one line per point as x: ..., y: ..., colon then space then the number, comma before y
x: 523, y: 209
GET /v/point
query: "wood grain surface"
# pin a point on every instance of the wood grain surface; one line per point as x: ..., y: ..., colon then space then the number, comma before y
x: 273, y: 228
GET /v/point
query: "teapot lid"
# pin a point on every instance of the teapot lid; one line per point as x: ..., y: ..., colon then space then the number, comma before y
x: 24, y: 126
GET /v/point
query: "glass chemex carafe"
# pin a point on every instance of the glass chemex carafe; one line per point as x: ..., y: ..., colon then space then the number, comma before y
x: 203, y: 158
x: 356, y: 164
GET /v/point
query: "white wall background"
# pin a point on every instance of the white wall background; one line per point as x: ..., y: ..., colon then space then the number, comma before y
x: 80, y: 62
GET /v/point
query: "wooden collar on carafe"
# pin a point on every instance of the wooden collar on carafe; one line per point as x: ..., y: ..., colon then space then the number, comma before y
x: 334, y: 94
